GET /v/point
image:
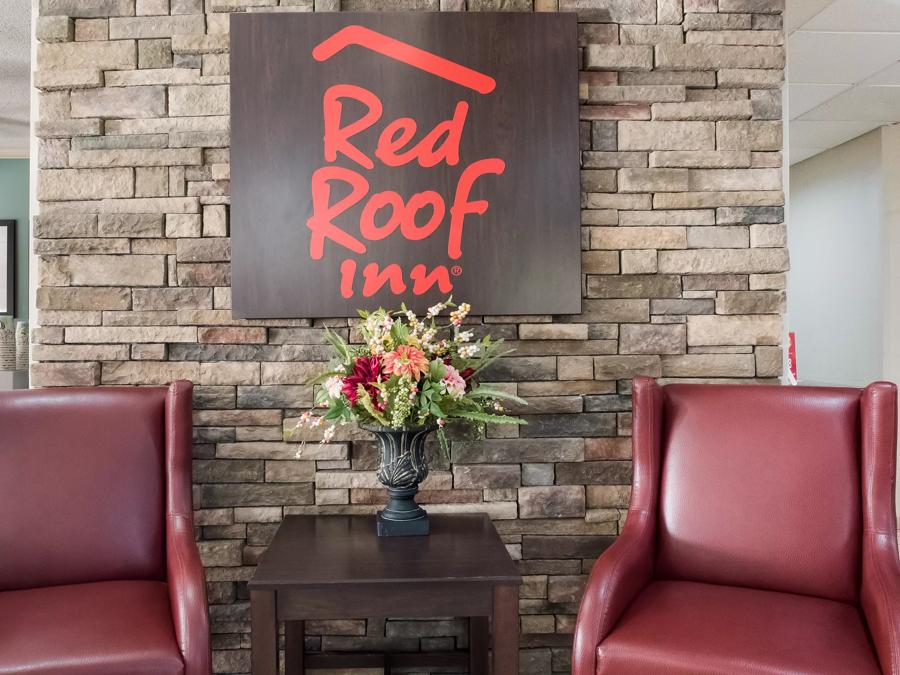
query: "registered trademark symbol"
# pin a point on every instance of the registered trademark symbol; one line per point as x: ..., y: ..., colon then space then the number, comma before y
x: 456, y: 270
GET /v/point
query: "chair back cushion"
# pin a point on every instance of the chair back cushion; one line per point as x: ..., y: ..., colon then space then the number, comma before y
x: 760, y: 487
x: 82, y: 486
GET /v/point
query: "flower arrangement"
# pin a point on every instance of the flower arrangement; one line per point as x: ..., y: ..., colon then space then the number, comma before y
x: 410, y: 372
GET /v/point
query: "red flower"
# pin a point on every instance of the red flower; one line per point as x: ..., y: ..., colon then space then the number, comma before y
x: 467, y: 374
x: 366, y: 372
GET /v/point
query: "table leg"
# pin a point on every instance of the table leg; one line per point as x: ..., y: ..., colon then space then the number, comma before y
x: 263, y: 633
x: 293, y: 648
x: 505, y: 629
x: 479, y: 644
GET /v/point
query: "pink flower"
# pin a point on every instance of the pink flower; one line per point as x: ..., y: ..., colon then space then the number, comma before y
x: 454, y: 383
x: 406, y: 360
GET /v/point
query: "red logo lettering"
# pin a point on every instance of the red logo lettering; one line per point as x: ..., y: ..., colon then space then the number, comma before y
x: 406, y: 53
x: 387, y: 212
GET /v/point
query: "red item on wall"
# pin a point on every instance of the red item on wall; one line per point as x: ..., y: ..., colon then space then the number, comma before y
x: 792, y: 358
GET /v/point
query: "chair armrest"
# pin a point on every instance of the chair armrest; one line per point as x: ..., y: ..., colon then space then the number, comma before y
x: 880, y: 597
x: 880, y: 588
x: 622, y: 572
x: 187, y: 596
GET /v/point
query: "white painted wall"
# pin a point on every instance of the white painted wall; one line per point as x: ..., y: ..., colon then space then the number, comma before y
x: 891, y: 258
x: 838, y: 281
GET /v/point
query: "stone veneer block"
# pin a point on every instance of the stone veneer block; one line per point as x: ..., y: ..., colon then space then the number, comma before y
x: 559, y: 501
x: 91, y: 30
x: 754, y: 6
x: 733, y: 330
x: 616, y: 57
x: 652, y: 339
x: 165, y: 205
x: 143, y: 27
x: 55, y: 29
x: 720, y: 261
x: 614, y: 11
x: 667, y: 136
x: 68, y: 128
x: 200, y: 44
x: 107, y: 334
x: 706, y: 57
x: 84, y: 298
x: 619, y: 238
x: 72, y: 184
x: 703, y: 110
x: 104, y: 270
x: 120, y: 54
x: 769, y: 361
x: 124, y: 102
x: 93, y: 8
x: 138, y: 78
x: 198, y: 100
x: 129, y: 157
x: 148, y: 372
x: 709, y: 365
x: 65, y: 374
x: 85, y: 78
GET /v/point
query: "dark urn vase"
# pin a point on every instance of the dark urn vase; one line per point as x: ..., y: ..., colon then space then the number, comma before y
x: 403, y: 466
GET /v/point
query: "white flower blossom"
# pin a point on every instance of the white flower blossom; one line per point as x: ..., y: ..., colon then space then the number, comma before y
x: 460, y: 313
x: 468, y: 351
x: 333, y: 386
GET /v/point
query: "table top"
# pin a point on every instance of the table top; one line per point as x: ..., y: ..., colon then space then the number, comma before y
x: 333, y: 550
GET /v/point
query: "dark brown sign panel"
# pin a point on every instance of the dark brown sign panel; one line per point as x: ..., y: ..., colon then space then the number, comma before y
x: 393, y: 157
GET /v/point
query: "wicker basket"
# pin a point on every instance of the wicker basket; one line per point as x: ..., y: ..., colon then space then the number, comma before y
x: 21, y: 345
x: 7, y: 348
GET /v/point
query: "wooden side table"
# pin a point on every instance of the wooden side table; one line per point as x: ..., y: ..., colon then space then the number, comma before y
x: 335, y: 567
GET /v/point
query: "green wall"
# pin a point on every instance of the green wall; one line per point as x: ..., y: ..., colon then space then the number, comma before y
x: 14, y: 206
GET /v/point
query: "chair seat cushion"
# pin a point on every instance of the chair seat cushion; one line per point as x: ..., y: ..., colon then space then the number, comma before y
x: 688, y: 628
x: 89, y: 629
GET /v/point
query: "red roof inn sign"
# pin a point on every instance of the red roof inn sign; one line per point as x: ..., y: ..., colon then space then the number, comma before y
x: 394, y: 157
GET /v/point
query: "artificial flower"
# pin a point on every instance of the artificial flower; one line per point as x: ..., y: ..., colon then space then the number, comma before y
x: 460, y: 313
x: 366, y: 372
x: 333, y: 386
x: 406, y: 360
x: 468, y: 351
x: 453, y: 382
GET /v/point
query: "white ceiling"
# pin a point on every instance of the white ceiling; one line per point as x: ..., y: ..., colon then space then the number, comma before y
x: 15, y: 69
x: 843, y: 71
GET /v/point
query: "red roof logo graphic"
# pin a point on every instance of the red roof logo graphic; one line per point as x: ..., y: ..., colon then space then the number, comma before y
x: 405, y: 53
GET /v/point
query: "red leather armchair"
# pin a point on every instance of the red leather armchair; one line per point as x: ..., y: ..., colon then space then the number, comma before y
x: 761, y: 536
x: 99, y: 571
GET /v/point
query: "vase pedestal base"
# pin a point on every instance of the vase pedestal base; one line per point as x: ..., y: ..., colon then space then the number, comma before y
x: 402, y: 528
x: 402, y: 517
